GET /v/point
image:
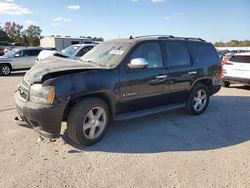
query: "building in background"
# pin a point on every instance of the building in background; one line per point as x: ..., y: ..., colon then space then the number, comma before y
x: 63, y: 42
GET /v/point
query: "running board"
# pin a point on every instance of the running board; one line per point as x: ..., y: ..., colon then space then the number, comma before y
x: 149, y: 111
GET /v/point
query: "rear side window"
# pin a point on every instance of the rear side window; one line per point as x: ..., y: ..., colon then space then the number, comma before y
x: 203, y: 53
x: 177, y: 54
x: 34, y: 52
x: 240, y: 59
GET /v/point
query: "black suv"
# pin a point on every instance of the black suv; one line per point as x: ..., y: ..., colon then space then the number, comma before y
x: 118, y: 79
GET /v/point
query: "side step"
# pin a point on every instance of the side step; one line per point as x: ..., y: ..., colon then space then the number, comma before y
x: 149, y: 111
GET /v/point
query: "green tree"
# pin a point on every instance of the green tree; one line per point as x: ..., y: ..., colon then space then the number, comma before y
x: 3, y: 35
x: 33, y: 34
x: 13, y: 31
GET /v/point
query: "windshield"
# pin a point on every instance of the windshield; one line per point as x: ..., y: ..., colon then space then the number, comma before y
x: 11, y: 52
x: 108, y: 54
x: 70, y: 50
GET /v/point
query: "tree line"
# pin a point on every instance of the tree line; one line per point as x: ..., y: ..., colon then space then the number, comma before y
x: 233, y: 43
x: 15, y: 33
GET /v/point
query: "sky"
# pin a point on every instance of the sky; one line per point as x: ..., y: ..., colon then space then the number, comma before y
x: 213, y: 20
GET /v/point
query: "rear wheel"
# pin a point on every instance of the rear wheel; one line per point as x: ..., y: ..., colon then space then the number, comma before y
x: 88, y: 121
x: 5, y: 70
x: 198, y: 99
x: 225, y: 84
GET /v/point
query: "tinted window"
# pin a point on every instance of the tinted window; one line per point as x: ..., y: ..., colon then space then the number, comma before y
x: 203, y: 53
x: 177, y: 54
x: 34, y: 52
x: 240, y: 59
x: 150, y: 51
x: 23, y: 53
x: 84, y: 51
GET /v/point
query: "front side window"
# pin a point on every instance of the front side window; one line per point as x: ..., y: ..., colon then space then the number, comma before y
x: 150, y: 51
x: 70, y: 50
x: 84, y: 50
x: 177, y: 54
x: 23, y: 53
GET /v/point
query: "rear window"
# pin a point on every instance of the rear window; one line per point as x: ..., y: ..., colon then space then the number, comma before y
x: 203, y: 53
x: 177, y: 54
x: 240, y: 59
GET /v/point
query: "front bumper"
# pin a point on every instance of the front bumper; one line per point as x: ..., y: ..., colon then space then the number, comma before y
x: 45, y: 119
x: 235, y: 80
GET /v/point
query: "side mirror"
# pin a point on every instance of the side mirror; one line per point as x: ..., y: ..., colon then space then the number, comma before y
x: 138, y: 63
x: 17, y: 55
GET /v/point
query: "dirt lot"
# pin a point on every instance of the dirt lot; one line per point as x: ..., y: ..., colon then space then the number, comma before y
x: 171, y: 149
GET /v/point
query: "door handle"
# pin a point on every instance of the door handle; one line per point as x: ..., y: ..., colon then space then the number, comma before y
x: 161, y: 76
x: 192, y: 72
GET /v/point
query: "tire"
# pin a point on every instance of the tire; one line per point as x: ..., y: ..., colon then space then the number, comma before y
x: 225, y: 84
x: 84, y: 115
x: 5, y: 70
x: 198, y: 100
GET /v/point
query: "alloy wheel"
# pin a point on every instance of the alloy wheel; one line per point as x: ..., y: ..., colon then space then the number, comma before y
x: 94, y: 122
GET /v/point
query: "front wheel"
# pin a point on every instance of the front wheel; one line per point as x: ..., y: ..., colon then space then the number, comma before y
x: 198, y: 100
x: 5, y: 70
x: 88, y: 121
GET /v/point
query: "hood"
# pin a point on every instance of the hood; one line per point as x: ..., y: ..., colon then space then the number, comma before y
x: 2, y: 58
x: 54, y: 65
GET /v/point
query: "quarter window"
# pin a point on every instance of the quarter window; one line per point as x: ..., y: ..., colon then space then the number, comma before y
x: 150, y: 51
x: 177, y: 54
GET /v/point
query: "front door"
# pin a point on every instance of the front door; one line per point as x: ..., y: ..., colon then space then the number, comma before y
x: 144, y: 88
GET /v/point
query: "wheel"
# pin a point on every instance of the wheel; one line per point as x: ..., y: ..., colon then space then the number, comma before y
x: 198, y: 100
x: 5, y: 70
x: 225, y: 84
x: 88, y: 121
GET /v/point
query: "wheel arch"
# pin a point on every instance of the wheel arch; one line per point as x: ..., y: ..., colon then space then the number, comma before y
x: 206, y: 81
x: 7, y: 63
x: 101, y: 95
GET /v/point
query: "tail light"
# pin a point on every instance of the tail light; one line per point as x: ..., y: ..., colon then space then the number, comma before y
x: 227, y: 63
x: 221, y: 70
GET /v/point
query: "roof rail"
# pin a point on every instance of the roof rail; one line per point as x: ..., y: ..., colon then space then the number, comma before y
x: 159, y: 36
x: 170, y: 37
x: 189, y: 38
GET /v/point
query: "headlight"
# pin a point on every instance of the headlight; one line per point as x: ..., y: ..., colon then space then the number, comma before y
x: 42, y: 94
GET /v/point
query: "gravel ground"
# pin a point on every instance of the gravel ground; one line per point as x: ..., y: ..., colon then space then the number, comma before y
x: 170, y: 149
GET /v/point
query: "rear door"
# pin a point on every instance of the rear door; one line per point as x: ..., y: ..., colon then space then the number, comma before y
x: 181, y: 72
x: 32, y: 57
x: 238, y: 66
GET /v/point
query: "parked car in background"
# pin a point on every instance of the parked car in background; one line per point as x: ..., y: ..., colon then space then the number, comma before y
x: 72, y: 52
x: 236, y: 69
x: 118, y: 79
x: 18, y: 59
x: 1, y: 51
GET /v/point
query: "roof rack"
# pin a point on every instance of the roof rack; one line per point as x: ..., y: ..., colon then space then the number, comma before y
x: 162, y: 36
x: 170, y: 37
x: 188, y: 38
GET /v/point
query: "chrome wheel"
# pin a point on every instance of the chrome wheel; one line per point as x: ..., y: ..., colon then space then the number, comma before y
x: 5, y: 70
x: 200, y: 100
x: 94, y: 122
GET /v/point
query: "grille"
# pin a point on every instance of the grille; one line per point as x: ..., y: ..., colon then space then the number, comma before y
x: 24, y: 90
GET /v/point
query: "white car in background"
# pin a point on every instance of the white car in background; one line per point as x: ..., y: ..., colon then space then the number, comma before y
x: 72, y: 52
x: 18, y: 59
x: 236, y: 69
